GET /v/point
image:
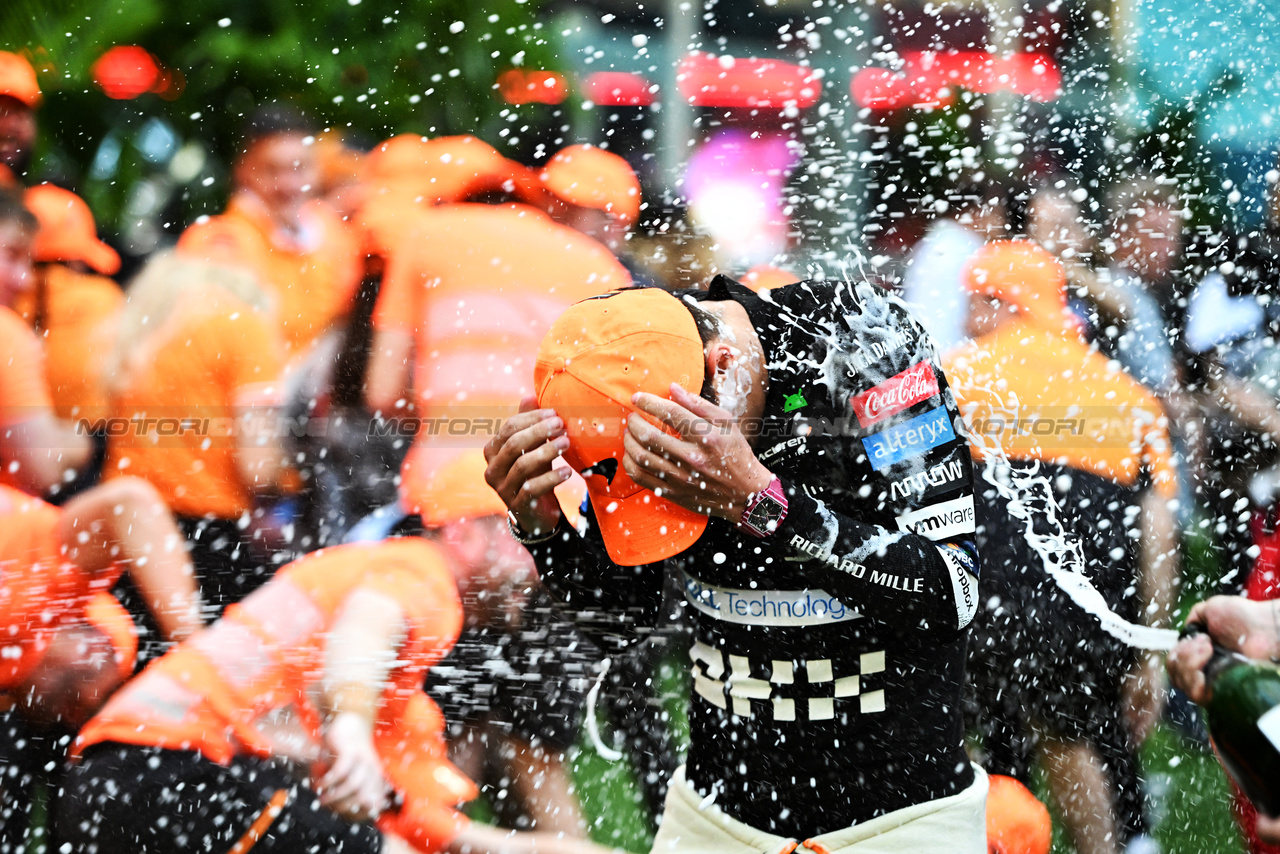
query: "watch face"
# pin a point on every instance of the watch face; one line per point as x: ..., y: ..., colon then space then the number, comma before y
x: 765, y: 515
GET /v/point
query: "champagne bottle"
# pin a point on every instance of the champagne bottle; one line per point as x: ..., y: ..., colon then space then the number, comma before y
x: 1243, y: 714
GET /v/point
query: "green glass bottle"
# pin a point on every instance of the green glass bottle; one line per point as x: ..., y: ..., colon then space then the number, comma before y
x: 1243, y: 714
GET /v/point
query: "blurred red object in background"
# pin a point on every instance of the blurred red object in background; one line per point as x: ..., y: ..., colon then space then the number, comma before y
x: 706, y: 80
x: 930, y: 79
x: 127, y: 71
x: 619, y: 89
x: 532, y: 87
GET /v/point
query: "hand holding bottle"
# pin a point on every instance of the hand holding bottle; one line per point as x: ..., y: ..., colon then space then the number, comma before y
x: 1237, y: 625
x: 1241, y: 698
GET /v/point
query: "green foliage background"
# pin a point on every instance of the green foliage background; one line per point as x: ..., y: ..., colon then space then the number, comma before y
x: 353, y: 64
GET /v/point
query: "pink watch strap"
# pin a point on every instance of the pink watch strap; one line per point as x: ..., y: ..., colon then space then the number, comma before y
x: 774, y: 498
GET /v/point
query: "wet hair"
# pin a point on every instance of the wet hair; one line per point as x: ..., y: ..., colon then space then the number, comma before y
x: 12, y: 210
x: 708, y: 331
x: 271, y: 119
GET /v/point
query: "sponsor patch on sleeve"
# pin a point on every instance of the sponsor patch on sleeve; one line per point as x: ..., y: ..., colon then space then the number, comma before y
x: 928, y: 481
x: 945, y: 520
x: 909, y: 439
x: 964, y: 582
x: 896, y: 394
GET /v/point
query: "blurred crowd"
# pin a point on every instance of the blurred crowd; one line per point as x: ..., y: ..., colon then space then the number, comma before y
x: 317, y: 368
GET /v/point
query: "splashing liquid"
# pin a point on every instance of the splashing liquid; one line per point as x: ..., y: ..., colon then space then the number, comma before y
x: 1029, y: 496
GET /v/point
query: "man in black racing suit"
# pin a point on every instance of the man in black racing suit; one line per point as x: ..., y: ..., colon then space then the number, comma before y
x: 829, y: 650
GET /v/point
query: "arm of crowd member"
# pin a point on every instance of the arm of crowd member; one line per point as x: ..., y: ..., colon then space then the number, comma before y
x: 387, y: 378
x: 360, y: 651
x: 260, y: 459
x: 1157, y: 580
x: 608, y: 601
x: 1249, y: 403
x: 37, y: 449
x: 43, y: 451
x: 708, y: 467
x: 125, y: 521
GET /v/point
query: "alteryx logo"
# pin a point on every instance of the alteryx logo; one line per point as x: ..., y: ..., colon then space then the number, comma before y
x: 909, y: 439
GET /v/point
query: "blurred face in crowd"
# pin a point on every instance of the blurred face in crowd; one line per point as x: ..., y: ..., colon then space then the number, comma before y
x: 17, y: 133
x: 15, y: 261
x: 280, y: 169
x: 986, y: 315
x: 1149, y: 240
x: 1056, y: 223
x: 987, y: 218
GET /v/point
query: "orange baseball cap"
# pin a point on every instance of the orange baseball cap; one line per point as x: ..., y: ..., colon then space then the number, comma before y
x: 448, y: 169
x: 594, y: 358
x: 18, y: 79
x: 67, y: 231
x: 1027, y: 276
x: 594, y: 178
x: 1017, y: 823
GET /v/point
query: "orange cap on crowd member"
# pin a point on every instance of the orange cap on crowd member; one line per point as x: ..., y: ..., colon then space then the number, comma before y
x: 452, y: 491
x: 1025, y: 275
x: 591, y: 177
x: 595, y: 357
x: 448, y: 169
x: 1017, y: 823
x: 105, y: 613
x: 18, y: 79
x: 67, y: 231
x: 764, y: 277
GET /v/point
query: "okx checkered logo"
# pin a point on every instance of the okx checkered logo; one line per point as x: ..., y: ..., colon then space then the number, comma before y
x: 787, y: 690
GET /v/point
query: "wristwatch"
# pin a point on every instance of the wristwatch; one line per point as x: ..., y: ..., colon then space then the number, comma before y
x: 524, y: 538
x: 765, y: 510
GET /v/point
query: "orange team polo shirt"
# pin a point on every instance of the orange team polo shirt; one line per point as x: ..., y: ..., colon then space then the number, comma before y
x: 478, y: 286
x: 313, y: 275
x: 75, y: 311
x: 210, y: 693
x: 39, y: 588
x: 174, y: 424
x: 1074, y: 406
x: 24, y: 392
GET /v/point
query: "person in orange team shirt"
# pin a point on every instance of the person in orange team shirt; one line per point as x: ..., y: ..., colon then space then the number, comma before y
x: 506, y: 731
x: 59, y: 561
x: 1041, y: 668
x: 72, y: 302
x: 19, y: 99
x: 68, y: 642
x: 193, y: 381
x: 297, y: 722
x: 276, y: 226
x: 469, y: 291
x: 38, y: 451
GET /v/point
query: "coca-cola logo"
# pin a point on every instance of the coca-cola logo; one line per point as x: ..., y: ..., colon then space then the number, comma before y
x: 895, y: 394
